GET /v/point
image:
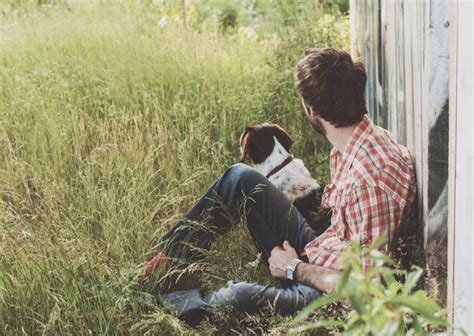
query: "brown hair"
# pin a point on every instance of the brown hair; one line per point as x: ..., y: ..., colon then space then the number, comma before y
x: 333, y: 85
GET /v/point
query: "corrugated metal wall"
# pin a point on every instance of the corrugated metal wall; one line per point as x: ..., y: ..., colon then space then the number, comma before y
x: 405, y: 47
x: 461, y: 179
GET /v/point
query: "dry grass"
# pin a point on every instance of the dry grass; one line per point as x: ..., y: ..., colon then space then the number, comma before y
x: 110, y: 128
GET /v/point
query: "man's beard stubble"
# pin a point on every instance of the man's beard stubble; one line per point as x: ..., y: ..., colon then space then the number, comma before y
x: 318, y: 127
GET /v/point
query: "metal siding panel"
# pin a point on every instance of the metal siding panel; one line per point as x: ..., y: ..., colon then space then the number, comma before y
x: 408, y: 83
x: 462, y: 101
x: 437, y: 125
x: 399, y: 117
x: 406, y: 64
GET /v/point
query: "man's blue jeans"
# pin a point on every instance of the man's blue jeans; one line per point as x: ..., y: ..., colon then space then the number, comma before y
x: 271, y: 219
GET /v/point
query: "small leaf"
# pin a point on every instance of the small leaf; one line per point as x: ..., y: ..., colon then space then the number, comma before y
x: 418, y: 329
x: 381, y: 258
x: 394, y: 288
x: 378, y: 242
x: 353, y: 326
x: 387, y: 275
x: 390, y: 328
x: 343, y: 279
x: 422, y: 306
x: 358, y: 304
x: 412, y: 280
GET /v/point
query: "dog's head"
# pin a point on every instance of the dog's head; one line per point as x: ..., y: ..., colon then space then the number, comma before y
x: 256, y: 142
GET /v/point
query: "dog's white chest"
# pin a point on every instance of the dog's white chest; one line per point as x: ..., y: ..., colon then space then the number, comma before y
x: 294, y: 179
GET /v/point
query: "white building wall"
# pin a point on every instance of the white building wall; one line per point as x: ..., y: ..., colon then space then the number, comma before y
x: 405, y: 47
x: 461, y: 232
x: 418, y: 56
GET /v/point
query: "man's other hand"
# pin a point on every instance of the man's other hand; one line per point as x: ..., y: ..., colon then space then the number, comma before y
x: 280, y: 258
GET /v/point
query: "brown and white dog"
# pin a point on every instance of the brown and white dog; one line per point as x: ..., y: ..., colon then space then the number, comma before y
x: 268, y: 148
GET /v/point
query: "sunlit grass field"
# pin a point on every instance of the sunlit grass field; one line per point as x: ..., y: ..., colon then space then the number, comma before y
x: 110, y: 128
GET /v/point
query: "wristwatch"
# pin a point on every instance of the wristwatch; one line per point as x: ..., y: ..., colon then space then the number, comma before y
x: 290, y: 269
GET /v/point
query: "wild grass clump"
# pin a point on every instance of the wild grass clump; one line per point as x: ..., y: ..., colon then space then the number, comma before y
x: 111, y: 126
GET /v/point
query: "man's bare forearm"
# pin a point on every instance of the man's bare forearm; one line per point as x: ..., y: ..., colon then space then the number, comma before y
x: 322, y: 278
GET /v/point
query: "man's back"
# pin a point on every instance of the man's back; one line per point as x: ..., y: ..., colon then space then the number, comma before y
x: 373, y: 189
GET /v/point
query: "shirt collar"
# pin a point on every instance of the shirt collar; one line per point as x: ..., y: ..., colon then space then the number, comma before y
x: 360, y: 133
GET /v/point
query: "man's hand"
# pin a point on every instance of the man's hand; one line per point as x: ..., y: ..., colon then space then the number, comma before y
x: 280, y: 258
x: 322, y: 278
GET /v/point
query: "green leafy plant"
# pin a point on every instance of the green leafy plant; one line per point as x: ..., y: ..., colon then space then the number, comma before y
x: 379, y: 303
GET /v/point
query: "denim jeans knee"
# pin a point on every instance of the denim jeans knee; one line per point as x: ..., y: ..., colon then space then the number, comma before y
x: 246, y: 176
x: 242, y: 296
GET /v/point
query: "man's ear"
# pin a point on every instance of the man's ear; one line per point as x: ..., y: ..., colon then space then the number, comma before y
x: 282, y: 137
x: 309, y: 111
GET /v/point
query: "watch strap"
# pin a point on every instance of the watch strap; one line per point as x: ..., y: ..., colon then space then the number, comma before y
x: 290, y: 269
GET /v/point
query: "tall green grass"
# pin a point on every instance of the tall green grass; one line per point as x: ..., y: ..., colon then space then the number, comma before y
x: 110, y: 128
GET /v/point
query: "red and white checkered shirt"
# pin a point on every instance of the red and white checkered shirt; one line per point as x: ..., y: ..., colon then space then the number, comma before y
x: 373, y: 189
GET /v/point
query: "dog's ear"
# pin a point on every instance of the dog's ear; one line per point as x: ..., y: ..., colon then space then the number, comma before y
x: 282, y: 137
x: 244, y: 142
x: 256, y: 143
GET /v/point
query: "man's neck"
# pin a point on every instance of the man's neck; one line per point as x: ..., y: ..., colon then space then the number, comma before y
x: 338, y: 137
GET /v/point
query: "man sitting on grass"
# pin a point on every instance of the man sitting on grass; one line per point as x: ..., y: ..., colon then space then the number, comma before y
x: 372, y: 191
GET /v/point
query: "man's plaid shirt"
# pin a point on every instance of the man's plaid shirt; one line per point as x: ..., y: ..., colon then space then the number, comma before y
x: 372, y: 191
